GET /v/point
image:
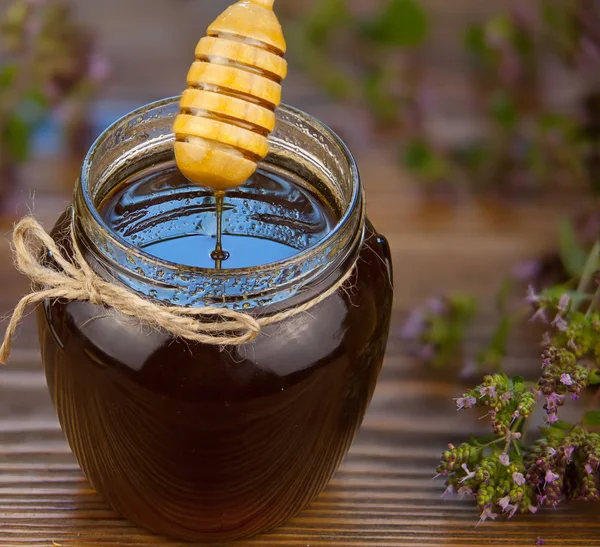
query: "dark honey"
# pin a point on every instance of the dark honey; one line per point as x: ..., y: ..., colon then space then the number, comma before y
x: 268, y: 220
x: 198, y: 442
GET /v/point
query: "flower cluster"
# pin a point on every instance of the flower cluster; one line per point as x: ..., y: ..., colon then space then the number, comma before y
x: 560, y: 375
x: 565, y: 466
x: 501, y: 474
x: 436, y: 330
x: 495, y: 481
x: 581, y: 335
x: 505, y: 400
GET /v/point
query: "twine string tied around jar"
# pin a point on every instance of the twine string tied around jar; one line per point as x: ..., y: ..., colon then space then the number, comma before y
x: 76, y: 280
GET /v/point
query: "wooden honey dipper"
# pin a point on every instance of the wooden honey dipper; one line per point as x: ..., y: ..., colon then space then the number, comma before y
x: 234, y: 86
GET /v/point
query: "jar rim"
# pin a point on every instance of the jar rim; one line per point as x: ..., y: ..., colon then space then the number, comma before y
x: 84, y: 189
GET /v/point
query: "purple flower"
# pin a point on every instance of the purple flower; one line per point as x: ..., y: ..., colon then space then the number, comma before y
x: 532, y: 297
x: 563, y: 303
x: 541, y: 499
x: 504, y: 459
x: 465, y: 491
x: 588, y: 469
x: 559, y: 323
x: 99, y: 68
x: 552, y: 418
x: 540, y: 541
x: 569, y: 452
x: 566, y: 379
x: 469, y: 369
x: 551, y: 477
x: 426, y: 352
x: 490, y: 391
x: 448, y: 492
x: 526, y: 270
x: 553, y: 401
x: 470, y: 474
x: 465, y: 402
x: 436, y: 305
x: 518, y: 478
x: 487, y: 514
x: 504, y: 503
x: 532, y: 509
x: 546, y: 339
x: 506, y: 396
x: 414, y: 326
x: 510, y: 435
x: 539, y: 315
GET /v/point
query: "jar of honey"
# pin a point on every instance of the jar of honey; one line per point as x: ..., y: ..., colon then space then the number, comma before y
x: 201, y: 441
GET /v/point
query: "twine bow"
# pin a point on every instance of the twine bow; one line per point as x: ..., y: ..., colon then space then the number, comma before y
x: 75, y: 280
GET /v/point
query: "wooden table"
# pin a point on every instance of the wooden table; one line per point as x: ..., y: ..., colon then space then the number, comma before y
x: 384, y: 494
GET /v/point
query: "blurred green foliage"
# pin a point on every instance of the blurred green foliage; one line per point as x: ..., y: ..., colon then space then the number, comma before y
x: 400, y: 23
x: 368, y: 70
x: 48, y: 59
x: 374, y: 61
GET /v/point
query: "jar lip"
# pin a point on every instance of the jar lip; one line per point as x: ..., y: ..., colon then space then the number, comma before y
x: 299, y: 258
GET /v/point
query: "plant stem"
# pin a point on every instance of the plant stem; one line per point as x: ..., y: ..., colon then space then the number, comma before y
x: 590, y: 267
x: 593, y: 303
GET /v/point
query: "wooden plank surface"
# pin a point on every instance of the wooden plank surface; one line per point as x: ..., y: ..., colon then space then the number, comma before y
x: 383, y: 494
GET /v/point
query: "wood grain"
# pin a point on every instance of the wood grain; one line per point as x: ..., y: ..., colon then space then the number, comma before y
x: 383, y: 495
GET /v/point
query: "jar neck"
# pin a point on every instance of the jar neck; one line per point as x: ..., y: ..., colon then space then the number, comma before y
x: 143, y: 139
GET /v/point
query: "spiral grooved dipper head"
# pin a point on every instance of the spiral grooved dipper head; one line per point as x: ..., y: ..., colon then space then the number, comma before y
x: 234, y: 86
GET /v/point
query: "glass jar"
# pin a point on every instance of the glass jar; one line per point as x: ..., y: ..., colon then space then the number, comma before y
x: 197, y: 441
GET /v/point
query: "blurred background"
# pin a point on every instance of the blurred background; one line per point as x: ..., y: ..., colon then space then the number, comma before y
x: 475, y: 124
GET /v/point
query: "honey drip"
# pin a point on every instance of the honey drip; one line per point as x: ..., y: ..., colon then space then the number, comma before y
x: 219, y: 254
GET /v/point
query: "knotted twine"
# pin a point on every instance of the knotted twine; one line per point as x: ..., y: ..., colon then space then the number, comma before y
x: 75, y: 280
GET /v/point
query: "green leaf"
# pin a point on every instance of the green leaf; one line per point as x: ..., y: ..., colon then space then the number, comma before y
x: 7, y: 75
x: 420, y: 159
x: 591, y: 417
x: 518, y: 383
x: 16, y: 138
x: 327, y: 17
x: 463, y: 306
x: 335, y: 83
x: 474, y: 40
x: 594, y: 377
x: 504, y: 295
x: 562, y: 24
x: 383, y: 106
x: 503, y: 110
x: 401, y: 23
x: 553, y: 122
x: 500, y: 336
x: 553, y: 432
x: 38, y: 98
x: 572, y: 254
x: 417, y: 154
x: 563, y: 426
